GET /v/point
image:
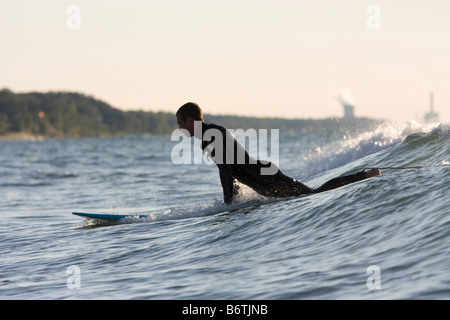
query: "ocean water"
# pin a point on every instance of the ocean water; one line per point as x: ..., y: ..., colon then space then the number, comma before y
x: 387, y: 237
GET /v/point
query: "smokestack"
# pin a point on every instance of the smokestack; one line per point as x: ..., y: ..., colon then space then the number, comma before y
x: 348, y: 104
x: 431, y: 102
x: 431, y: 116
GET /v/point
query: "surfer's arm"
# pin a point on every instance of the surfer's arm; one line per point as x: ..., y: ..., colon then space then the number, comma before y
x: 226, y: 178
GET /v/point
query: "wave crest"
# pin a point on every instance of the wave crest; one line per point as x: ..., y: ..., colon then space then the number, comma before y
x: 335, y: 154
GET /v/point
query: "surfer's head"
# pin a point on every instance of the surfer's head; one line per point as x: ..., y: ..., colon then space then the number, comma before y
x: 187, y: 114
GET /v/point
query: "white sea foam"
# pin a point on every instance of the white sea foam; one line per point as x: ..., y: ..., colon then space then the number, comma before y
x: 338, y: 153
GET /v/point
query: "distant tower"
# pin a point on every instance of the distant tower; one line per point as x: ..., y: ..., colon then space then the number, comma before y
x: 431, y: 116
x: 348, y: 108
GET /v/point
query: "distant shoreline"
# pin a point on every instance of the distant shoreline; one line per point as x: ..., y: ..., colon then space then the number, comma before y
x: 14, y: 136
x: 37, y: 116
x: 25, y: 136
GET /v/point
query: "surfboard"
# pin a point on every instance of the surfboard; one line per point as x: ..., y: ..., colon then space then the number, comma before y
x: 108, y: 216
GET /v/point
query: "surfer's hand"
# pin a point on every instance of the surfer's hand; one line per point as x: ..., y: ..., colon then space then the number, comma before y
x: 372, y: 173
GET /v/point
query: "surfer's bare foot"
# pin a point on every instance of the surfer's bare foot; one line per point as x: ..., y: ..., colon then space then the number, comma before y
x: 372, y: 173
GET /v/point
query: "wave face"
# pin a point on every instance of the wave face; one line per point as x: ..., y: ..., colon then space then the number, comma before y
x: 382, y: 238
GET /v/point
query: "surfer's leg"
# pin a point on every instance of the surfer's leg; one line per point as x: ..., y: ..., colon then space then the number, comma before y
x: 342, y: 181
x: 285, y: 186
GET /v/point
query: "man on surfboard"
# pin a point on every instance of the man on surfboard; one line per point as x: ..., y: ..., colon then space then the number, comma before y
x: 247, y: 170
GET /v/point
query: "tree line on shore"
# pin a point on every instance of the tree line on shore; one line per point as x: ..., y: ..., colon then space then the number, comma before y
x: 69, y: 114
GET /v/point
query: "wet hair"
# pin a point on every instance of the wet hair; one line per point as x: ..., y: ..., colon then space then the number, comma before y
x: 190, y: 109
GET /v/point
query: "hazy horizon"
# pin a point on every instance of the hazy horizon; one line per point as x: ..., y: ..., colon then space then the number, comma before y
x: 285, y: 59
x: 206, y: 114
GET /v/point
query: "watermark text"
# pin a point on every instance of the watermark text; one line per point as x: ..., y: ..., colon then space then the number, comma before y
x: 223, y: 147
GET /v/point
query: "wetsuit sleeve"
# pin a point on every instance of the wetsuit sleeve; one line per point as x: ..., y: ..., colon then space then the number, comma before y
x: 226, y: 178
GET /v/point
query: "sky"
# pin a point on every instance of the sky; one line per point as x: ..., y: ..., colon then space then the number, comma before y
x: 279, y: 58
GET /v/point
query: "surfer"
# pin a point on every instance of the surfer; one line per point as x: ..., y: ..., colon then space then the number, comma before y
x: 249, y: 172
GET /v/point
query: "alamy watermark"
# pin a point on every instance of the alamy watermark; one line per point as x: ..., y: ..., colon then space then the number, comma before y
x: 374, y: 20
x: 374, y: 280
x: 227, y: 150
x: 74, y: 277
x: 73, y: 22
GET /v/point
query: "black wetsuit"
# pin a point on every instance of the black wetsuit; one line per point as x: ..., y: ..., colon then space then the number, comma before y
x: 277, y: 185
